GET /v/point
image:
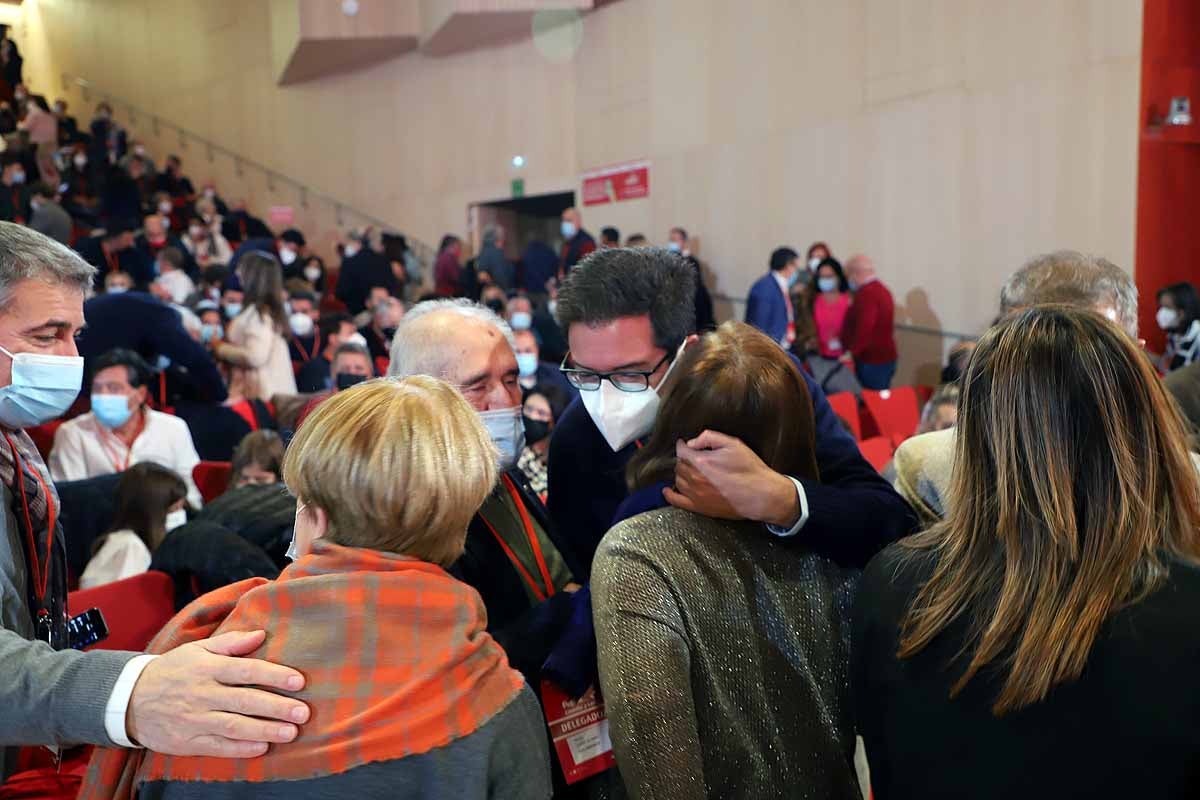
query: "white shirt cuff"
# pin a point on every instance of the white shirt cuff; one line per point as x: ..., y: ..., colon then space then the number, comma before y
x: 118, y: 701
x: 792, y: 531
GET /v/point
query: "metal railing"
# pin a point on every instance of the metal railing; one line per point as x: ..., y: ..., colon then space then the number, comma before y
x: 272, y: 177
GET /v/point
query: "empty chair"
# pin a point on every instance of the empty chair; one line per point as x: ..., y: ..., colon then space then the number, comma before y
x: 135, y: 609
x: 877, y: 451
x: 211, y: 478
x: 845, y: 405
x: 895, y: 411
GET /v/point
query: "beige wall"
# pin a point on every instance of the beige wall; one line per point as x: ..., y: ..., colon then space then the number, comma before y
x: 949, y: 138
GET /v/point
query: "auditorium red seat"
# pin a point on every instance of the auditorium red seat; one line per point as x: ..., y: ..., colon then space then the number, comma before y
x: 895, y: 411
x: 381, y: 365
x: 212, y: 478
x: 924, y: 392
x: 877, y: 451
x: 845, y: 405
x: 135, y: 609
x: 43, y: 436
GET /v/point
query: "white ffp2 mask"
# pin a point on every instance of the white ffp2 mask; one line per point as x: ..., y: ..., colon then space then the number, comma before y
x: 621, y: 416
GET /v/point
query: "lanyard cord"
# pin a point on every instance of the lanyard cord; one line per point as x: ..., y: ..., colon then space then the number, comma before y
x: 534, y: 544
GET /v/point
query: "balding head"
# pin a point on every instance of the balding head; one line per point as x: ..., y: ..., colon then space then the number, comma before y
x: 1073, y: 278
x: 462, y: 343
x: 572, y: 215
x: 860, y: 269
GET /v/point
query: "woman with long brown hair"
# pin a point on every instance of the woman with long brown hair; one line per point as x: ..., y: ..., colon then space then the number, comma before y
x: 255, y: 348
x: 723, y: 651
x: 1041, y: 641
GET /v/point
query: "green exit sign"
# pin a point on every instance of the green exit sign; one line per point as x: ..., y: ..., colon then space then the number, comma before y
x: 518, y: 187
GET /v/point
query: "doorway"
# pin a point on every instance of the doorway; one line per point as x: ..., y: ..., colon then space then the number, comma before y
x: 525, y: 220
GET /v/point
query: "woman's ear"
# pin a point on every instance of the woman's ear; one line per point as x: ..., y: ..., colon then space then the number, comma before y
x: 320, y: 521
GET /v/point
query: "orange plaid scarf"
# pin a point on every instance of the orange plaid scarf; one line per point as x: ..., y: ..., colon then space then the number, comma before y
x: 394, y: 650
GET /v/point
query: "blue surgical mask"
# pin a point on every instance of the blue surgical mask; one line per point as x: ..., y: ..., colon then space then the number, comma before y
x: 853, y: 285
x: 793, y: 279
x: 112, y: 410
x: 43, y: 387
x: 568, y: 229
x: 552, y: 307
x: 507, y: 430
x: 527, y: 363
x: 521, y: 321
x: 208, y: 332
x: 674, y: 247
x: 827, y: 284
x: 232, y: 309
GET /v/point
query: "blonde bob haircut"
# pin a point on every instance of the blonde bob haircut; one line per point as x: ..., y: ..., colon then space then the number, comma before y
x: 398, y: 464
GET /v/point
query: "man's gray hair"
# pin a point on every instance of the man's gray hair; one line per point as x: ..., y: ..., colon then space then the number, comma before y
x: 417, y: 347
x: 493, y: 232
x: 346, y: 348
x: 1073, y: 278
x: 26, y: 254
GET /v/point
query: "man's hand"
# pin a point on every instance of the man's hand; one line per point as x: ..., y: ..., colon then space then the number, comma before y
x: 719, y: 476
x: 194, y: 700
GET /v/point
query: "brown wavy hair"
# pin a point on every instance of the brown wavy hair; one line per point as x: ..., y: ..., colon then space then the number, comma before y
x: 737, y: 381
x: 1072, y: 486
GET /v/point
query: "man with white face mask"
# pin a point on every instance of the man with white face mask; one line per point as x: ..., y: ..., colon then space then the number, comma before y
x: 189, y: 701
x: 628, y: 315
x: 513, y: 557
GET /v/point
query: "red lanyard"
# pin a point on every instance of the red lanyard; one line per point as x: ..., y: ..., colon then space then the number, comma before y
x: 41, y: 577
x: 300, y: 349
x: 118, y: 465
x: 534, y: 544
x: 114, y: 263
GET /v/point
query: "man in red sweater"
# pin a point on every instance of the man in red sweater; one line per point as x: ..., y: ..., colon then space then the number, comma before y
x: 868, y: 332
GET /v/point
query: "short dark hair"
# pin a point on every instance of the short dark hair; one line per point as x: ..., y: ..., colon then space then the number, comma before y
x: 10, y: 159
x: 303, y: 295
x: 293, y: 236
x: 447, y: 240
x: 682, y: 233
x: 138, y: 371
x: 215, y: 274
x: 330, y: 324
x: 610, y: 234
x: 1186, y: 300
x: 556, y: 397
x: 782, y: 257
x: 42, y: 189
x: 173, y: 256
x: 175, y: 158
x: 630, y: 282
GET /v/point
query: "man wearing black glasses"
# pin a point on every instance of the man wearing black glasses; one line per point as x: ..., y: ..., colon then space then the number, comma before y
x: 628, y: 313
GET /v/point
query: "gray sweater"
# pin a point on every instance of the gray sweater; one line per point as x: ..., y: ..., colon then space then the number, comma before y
x: 46, y: 697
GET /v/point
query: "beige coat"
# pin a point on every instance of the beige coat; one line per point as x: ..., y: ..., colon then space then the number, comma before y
x: 258, y: 357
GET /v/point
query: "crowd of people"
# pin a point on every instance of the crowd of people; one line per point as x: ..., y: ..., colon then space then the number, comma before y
x: 456, y: 495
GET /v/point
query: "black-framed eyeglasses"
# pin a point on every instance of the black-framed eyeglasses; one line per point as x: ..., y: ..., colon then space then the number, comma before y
x: 626, y: 380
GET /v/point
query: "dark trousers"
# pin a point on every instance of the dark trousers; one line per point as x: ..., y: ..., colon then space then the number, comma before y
x: 876, y: 376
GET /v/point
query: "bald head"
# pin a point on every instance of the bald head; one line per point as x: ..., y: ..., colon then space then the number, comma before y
x: 860, y: 269
x: 462, y: 343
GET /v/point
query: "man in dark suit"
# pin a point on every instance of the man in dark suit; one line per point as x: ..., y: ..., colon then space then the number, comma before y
x: 47, y: 216
x: 363, y: 268
x: 14, y: 192
x: 705, y: 319
x: 113, y: 251
x: 577, y: 243
x: 534, y: 371
x: 769, y: 307
x: 514, y: 557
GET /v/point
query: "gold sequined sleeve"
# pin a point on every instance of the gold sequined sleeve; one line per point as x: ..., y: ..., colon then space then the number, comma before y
x: 645, y: 677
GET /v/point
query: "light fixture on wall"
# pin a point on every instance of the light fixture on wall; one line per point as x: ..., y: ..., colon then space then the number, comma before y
x: 518, y: 161
x: 349, y: 7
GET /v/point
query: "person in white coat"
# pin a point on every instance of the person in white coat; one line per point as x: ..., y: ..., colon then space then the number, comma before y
x: 255, y: 348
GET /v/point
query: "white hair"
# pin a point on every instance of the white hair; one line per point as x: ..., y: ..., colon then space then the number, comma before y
x: 417, y: 347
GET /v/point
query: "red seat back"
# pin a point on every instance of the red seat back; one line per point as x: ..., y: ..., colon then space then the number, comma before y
x: 381, y: 365
x: 877, y: 451
x: 924, y: 392
x: 845, y: 405
x: 135, y: 609
x: 212, y: 478
x: 895, y: 411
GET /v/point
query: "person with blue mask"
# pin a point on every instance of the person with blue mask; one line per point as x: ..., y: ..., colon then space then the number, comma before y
x: 769, y: 307
x: 577, y: 243
x: 514, y: 558
x: 534, y: 371
x: 178, y: 703
x: 122, y: 430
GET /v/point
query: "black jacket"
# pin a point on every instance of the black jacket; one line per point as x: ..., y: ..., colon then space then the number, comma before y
x: 526, y: 631
x: 359, y: 274
x: 132, y: 261
x: 14, y: 204
x: 262, y: 514
x: 202, y: 556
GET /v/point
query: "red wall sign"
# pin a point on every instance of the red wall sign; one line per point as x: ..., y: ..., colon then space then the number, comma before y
x: 280, y: 216
x: 618, y: 182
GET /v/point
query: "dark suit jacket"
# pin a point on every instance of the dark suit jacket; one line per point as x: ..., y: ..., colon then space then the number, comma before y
x: 766, y: 308
x: 526, y: 631
x: 359, y: 273
x: 150, y: 328
x: 14, y: 203
x: 132, y: 261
